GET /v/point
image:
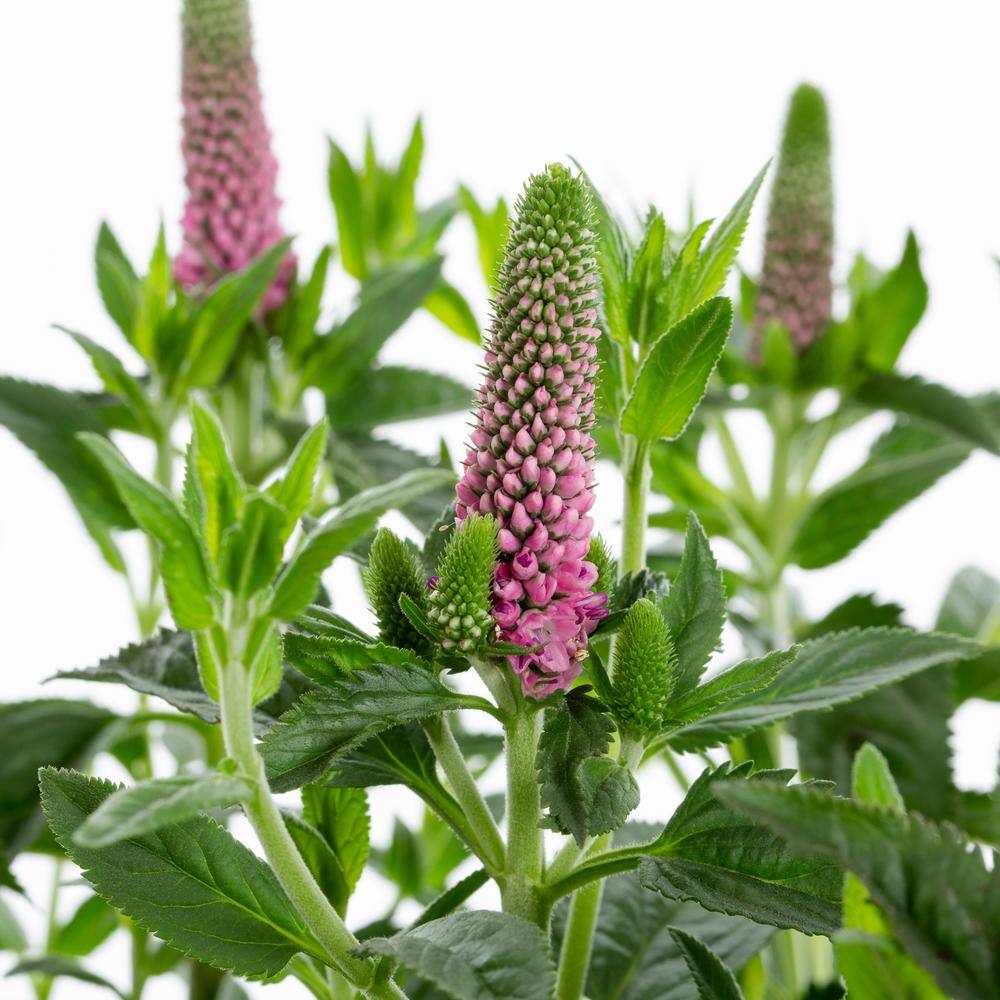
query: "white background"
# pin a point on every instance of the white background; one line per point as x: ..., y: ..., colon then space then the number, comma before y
x: 659, y: 101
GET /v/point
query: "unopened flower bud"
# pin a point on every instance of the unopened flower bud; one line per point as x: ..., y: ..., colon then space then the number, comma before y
x: 394, y: 569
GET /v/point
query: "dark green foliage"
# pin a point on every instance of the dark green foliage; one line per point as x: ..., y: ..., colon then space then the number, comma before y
x: 394, y: 569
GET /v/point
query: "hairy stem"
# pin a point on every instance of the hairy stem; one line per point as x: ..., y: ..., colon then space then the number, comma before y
x: 637, y: 475
x: 292, y: 872
x: 525, y: 857
x: 488, y: 844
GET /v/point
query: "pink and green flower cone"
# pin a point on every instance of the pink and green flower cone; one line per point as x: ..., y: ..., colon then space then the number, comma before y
x: 231, y: 215
x: 796, y: 285
x: 530, y: 464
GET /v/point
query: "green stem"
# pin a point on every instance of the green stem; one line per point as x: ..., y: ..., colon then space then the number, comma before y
x: 139, y: 975
x: 637, y: 476
x: 265, y: 818
x: 525, y: 857
x: 734, y: 461
x: 488, y: 845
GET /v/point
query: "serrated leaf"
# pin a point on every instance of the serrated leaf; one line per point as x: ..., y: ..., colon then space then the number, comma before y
x: 480, y: 955
x: 34, y: 734
x: 183, y: 883
x: 631, y: 586
x: 152, y: 805
x: 931, y: 403
x: 941, y: 901
x: 451, y: 899
x: 47, y: 420
x: 695, y: 608
x: 341, y: 817
x: 323, y: 658
x: 674, y: 376
x: 339, y: 717
x: 710, y: 854
x: 834, y: 669
x: 901, y: 465
x: 608, y: 793
x: 164, y: 665
x: 182, y: 566
x: 321, y: 860
x: 711, y: 977
x: 575, y: 729
x: 393, y: 393
x: 294, y: 492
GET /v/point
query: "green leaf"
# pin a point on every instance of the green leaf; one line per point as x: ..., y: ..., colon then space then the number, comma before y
x: 695, y: 608
x: 710, y: 854
x: 154, y: 292
x: 480, y: 955
x: 902, y: 464
x: 34, y: 734
x: 392, y: 393
x: 386, y: 300
x: 213, y: 489
x: 224, y: 315
x: 400, y: 755
x: 941, y: 901
x: 12, y: 936
x: 889, y: 312
x: 118, y: 381
x: 294, y: 492
x: 971, y: 606
x: 448, y: 304
x: 451, y: 899
x: 490, y: 228
x: 182, y: 566
x: 91, y: 925
x: 873, y: 780
x: 299, y: 581
x: 608, y: 793
x: 645, y: 282
x: 674, y: 376
x: 335, y: 719
x: 152, y: 805
x: 341, y: 817
x: 857, y: 611
x: 934, y: 404
x: 345, y: 192
x: 183, y: 883
x: 301, y: 330
x: 711, y: 977
x: 47, y: 420
x: 834, y: 669
x: 575, y: 730
x: 165, y: 666
x: 116, y: 280
x: 55, y: 966
x: 719, y: 251
x: 325, y: 657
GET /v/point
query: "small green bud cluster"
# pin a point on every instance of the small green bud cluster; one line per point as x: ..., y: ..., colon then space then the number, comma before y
x: 460, y: 604
x: 644, y: 663
x: 394, y: 569
x: 599, y: 553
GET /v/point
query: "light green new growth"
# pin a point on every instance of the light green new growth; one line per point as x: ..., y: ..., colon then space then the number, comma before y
x: 394, y: 570
x: 460, y: 605
x: 644, y: 662
x: 600, y: 555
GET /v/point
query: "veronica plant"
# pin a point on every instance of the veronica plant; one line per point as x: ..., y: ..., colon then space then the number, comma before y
x: 304, y: 699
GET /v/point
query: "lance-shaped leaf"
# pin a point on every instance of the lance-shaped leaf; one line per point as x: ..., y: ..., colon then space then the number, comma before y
x: 695, y: 608
x: 185, y: 883
x: 709, y: 854
x: 116, y: 280
x: 152, y: 805
x: 182, y: 565
x: 834, y: 669
x: 335, y: 719
x: 340, y: 815
x: 674, y: 376
x: 902, y: 464
x: 935, y: 404
x: 165, y: 666
x: 481, y: 955
x: 711, y: 977
x: 941, y: 900
x: 59, y: 966
x: 345, y: 192
x: 47, y: 420
x: 34, y: 734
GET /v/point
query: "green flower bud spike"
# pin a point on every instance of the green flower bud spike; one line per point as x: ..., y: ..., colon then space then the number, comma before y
x: 393, y: 569
x: 644, y: 662
x: 460, y: 605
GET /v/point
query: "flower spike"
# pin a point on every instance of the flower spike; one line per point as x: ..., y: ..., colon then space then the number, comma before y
x: 231, y: 215
x: 530, y: 463
x: 796, y: 285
